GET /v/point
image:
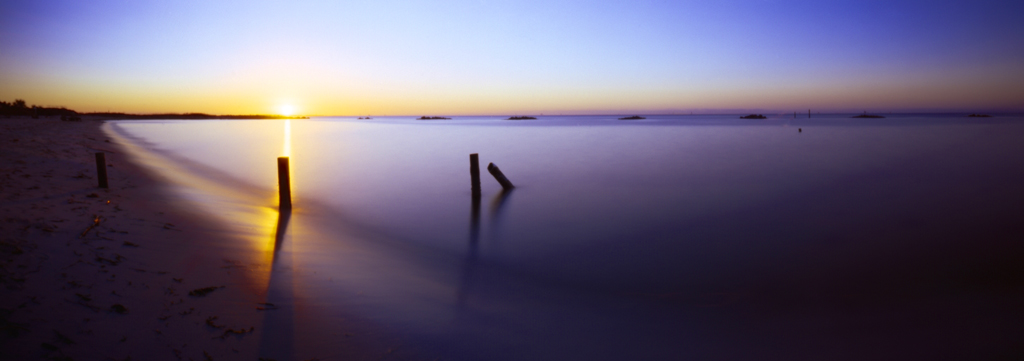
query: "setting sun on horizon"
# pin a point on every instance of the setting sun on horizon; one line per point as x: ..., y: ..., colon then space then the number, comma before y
x: 286, y: 110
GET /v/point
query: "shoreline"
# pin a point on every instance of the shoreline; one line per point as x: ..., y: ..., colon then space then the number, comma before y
x: 122, y: 290
x: 191, y: 285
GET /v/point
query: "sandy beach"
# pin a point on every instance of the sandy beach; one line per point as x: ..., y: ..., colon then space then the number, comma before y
x: 111, y: 274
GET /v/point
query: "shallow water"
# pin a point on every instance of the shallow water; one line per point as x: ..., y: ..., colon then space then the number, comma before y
x: 674, y: 236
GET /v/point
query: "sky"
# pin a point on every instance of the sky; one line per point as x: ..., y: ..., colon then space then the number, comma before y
x: 384, y: 57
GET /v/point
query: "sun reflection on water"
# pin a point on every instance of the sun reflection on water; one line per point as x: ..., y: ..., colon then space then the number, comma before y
x: 287, y: 152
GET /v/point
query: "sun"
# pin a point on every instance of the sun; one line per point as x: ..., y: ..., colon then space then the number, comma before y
x: 286, y: 110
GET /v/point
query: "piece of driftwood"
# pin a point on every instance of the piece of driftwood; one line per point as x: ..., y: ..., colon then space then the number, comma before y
x: 95, y: 222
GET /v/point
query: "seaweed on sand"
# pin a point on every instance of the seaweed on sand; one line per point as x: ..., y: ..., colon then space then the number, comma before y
x: 200, y: 292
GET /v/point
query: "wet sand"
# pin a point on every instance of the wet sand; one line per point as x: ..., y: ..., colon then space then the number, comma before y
x: 153, y: 280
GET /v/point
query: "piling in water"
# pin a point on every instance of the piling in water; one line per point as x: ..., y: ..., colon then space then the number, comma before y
x: 284, y: 183
x: 101, y: 169
x: 505, y: 184
x: 474, y: 173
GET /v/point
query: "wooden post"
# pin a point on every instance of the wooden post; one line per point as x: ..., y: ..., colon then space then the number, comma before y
x: 284, y: 183
x: 101, y: 169
x: 474, y: 173
x: 505, y: 184
x: 808, y: 114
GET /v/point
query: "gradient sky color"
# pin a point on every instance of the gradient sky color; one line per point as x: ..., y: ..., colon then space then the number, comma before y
x: 502, y: 57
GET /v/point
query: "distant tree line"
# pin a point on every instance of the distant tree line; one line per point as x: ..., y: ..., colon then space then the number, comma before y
x: 188, y: 116
x: 19, y: 108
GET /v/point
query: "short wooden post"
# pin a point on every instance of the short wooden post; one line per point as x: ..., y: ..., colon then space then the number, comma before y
x: 505, y: 184
x: 101, y: 169
x: 284, y: 183
x: 474, y: 173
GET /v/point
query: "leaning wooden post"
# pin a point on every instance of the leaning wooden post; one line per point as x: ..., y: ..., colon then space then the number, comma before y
x: 474, y: 173
x: 505, y: 184
x: 284, y: 183
x: 101, y: 169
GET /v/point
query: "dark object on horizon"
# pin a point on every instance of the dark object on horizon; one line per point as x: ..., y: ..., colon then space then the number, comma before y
x: 520, y: 118
x: 808, y: 114
x: 866, y: 115
x: 635, y: 117
x: 365, y: 118
x: 474, y: 173
x: 754, y: 116
x: 70, y: 118
x: 979, y: 116
x: 101, y: 169
x: 799, y: 130
x: 430, y: 118
x: 284, y: 183
x: 505, y: 184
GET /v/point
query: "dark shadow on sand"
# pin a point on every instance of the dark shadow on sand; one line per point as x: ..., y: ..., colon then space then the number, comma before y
x: 277, y: 337
x: 282, y: 226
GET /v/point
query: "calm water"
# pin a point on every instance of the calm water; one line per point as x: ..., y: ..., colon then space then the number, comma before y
x: 666, y: 238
